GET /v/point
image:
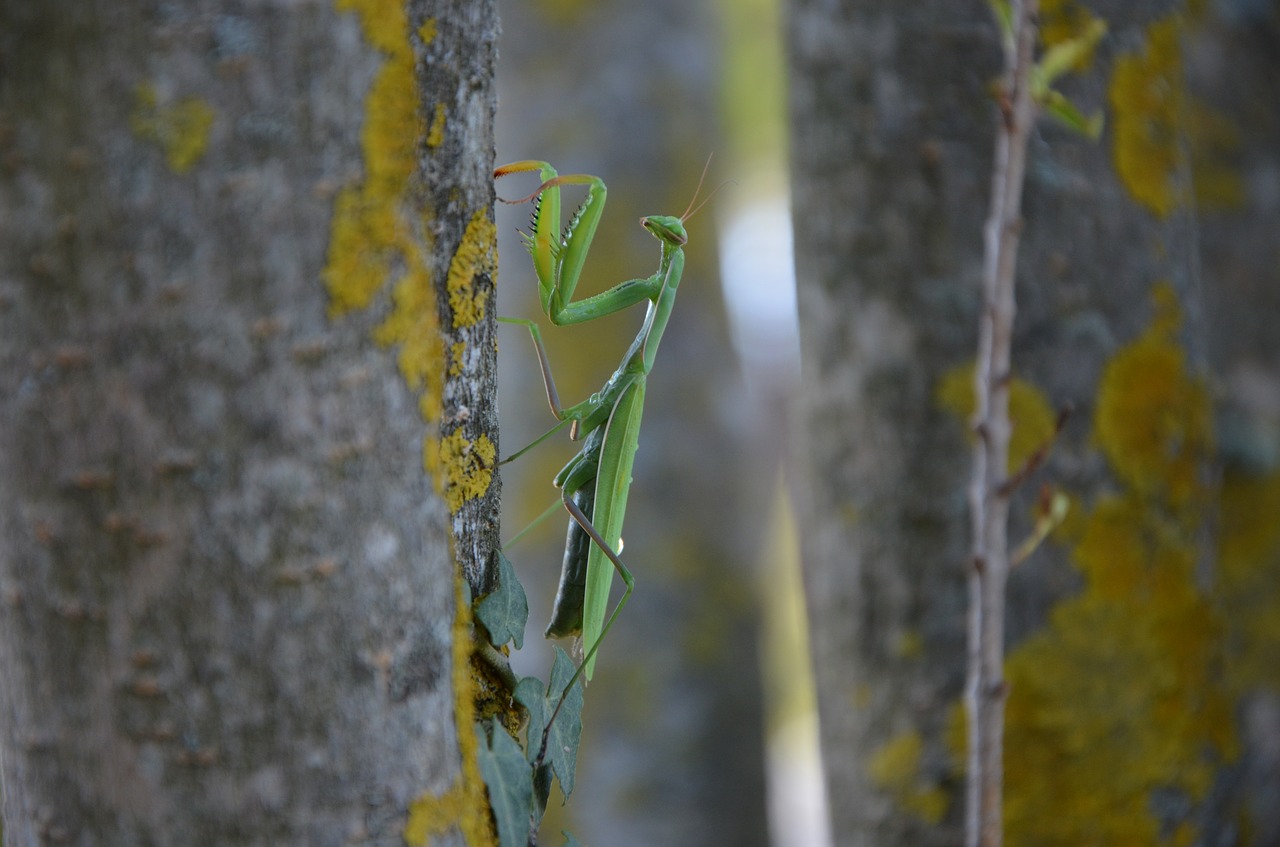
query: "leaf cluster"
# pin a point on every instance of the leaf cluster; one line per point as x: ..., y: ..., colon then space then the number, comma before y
x: 519, y: 778
x: 1057, y: 60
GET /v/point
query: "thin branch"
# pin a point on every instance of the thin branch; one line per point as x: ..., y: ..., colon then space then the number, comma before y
x: 1036, y: 459
x: 988, y: 499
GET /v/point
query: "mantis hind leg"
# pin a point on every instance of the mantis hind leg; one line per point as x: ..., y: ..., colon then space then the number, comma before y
x: 566, y: 614
x: 580, y: 518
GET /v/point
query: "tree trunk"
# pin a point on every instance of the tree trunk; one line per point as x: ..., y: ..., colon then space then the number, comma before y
x: 247, y: 418
x: 1128, y: 632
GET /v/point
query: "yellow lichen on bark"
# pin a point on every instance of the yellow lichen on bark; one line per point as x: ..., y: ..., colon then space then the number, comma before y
x: 1153, y: 423
x: 1159, y: 129
x: 427, y: 32
x: 465, y: 804
x: 376, y: 234
x: 414, y: 326
x: 1120, y: 697
x: 181, y: 130
x: 378, y: 238
x: 369, y: 233
x: 468, y: 467
x: 1249, y: 573
x: 895, y: 769
x: 1032, y: 417
x: 477, y: 254
x: 435, y: 135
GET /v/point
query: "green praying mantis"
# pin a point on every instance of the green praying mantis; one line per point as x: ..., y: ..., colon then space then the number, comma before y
x: 594, y: 484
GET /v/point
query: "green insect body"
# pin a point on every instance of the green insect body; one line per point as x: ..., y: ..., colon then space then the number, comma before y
x: 595, y: 483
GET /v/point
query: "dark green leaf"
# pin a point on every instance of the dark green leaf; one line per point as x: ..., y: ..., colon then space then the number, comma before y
x: 505, y: 610
x: 566, y: 733
x: 507, y: 775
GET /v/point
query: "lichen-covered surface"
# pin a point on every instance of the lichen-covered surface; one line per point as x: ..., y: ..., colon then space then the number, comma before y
x: 1143, y: 692
x: 228, y: 572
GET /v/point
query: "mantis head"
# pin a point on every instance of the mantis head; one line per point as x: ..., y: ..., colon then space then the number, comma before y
x: 666, y: 228
x: 669, y: 229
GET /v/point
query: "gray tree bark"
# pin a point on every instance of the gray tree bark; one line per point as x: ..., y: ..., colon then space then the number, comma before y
x: 227, y: 580
x: 891, y: 153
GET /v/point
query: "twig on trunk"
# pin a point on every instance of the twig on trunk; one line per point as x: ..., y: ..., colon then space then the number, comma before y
x: 988, y: 494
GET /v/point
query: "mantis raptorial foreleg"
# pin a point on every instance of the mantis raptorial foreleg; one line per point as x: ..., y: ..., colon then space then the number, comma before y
x: 595, y: 483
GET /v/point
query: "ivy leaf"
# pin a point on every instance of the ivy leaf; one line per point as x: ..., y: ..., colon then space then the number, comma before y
x: 566, y: 732
x: 505, y: 610
x: 506, y: 773
x: 530, y: 693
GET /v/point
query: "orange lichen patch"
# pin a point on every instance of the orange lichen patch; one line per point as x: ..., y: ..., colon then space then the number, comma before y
x: 1033, y: 419
x: 895, y: 769
x: 181, y: 129
x: 1156, y: 123
x: 1153, y: 421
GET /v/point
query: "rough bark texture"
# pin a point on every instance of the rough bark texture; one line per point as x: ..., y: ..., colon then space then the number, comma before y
x: 890, y: 151
x: 228, y: 585
x: 1120, y: 316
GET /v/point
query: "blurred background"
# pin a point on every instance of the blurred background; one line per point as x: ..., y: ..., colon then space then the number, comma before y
x: 1141, y: 637
x: 643, y: 95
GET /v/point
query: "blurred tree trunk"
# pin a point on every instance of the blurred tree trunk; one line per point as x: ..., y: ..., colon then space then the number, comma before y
x: 1138, y: 634
x: 227, y: 574
x: 672, y: 743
